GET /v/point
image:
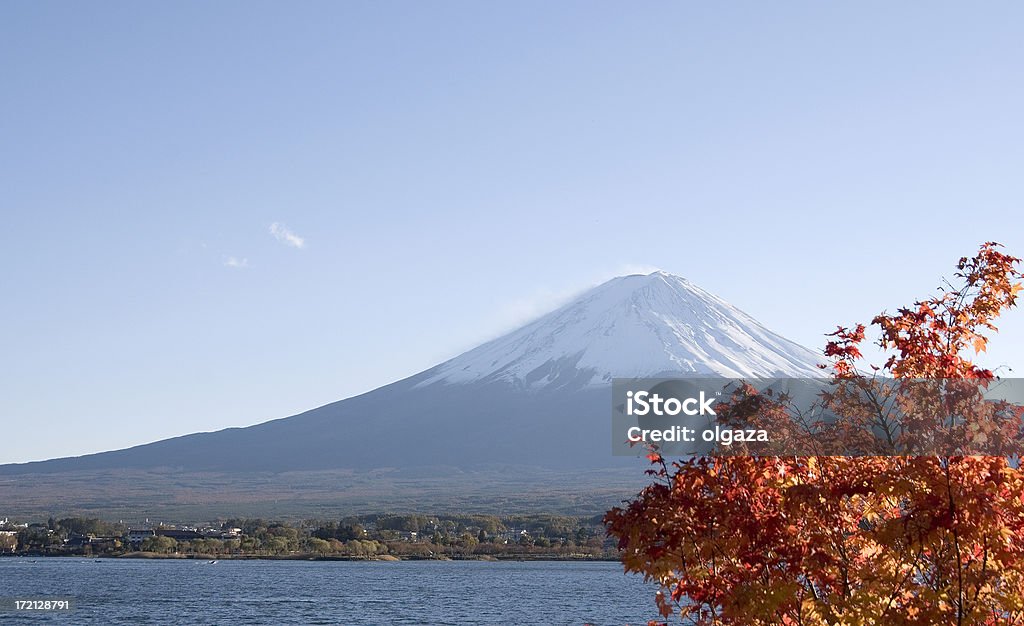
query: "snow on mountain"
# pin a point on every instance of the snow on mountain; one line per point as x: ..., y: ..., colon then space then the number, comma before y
x: 654, y: 325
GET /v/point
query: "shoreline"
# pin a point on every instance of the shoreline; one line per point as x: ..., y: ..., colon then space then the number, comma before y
x: 386, y: 558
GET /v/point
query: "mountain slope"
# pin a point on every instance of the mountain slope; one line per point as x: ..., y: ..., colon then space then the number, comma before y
x: 539, y: 396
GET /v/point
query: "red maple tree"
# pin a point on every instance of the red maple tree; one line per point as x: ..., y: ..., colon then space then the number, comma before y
x: 916, y: 537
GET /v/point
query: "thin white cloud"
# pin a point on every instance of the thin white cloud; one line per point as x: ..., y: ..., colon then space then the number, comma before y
x: 285, y: 236
x: 634, y: 268
x: 515, y: 313
x: 236, y: 262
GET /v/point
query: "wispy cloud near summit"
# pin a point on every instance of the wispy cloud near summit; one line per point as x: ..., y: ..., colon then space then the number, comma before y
x: 285, y: 236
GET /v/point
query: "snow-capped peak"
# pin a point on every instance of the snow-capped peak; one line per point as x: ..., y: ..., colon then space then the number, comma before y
x: 642, y: 325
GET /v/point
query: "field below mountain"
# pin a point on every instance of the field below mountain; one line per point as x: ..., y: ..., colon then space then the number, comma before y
x: 158, y: 494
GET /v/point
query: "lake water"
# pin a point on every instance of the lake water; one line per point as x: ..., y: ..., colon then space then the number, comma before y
x: 130, y: 591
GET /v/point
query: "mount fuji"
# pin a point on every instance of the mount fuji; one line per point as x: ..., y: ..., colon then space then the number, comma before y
x: 538, y: 397
x: 639, y: 326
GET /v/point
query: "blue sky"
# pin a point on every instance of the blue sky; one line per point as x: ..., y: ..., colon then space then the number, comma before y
x: 453, y: 168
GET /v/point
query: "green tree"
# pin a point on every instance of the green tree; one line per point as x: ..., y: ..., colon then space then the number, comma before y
x: 160, y: 544
x: 320, y: 546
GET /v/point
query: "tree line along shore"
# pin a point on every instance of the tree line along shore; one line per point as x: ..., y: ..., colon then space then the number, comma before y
x: 362, y: 537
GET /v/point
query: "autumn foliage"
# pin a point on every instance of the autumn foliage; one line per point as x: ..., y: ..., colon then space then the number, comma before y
x: 910, y: 538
